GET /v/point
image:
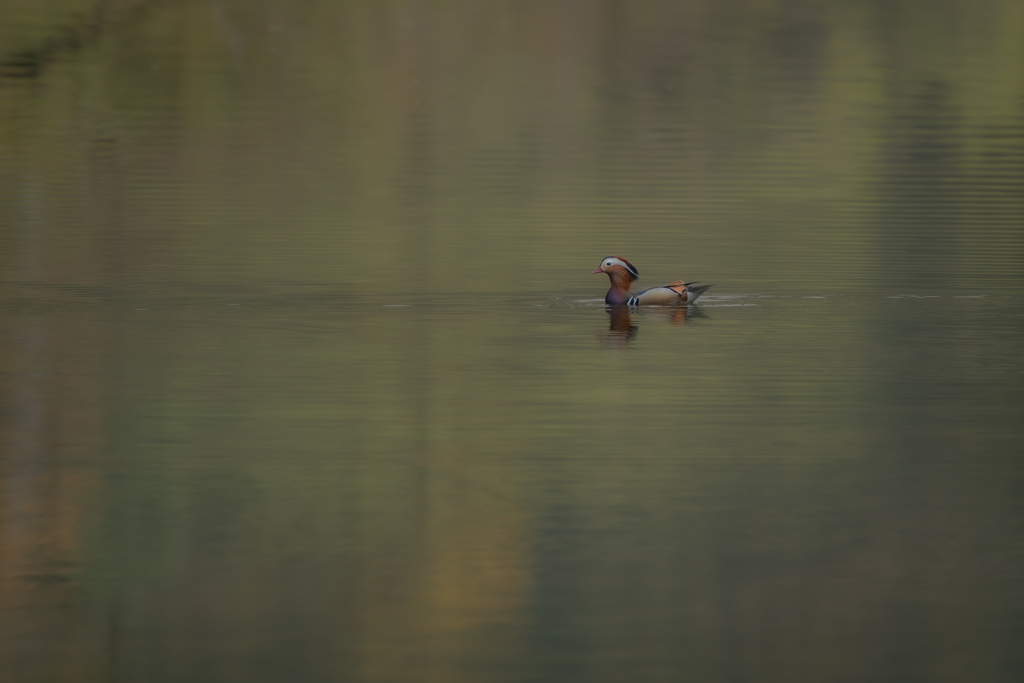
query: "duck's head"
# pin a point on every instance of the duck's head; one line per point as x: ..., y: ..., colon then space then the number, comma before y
x: 618, y: 269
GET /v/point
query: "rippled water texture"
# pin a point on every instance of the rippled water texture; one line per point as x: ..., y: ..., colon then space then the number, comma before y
x: 305, y: 376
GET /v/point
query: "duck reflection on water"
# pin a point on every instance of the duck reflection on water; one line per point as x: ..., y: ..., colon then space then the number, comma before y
x: 621, y: 327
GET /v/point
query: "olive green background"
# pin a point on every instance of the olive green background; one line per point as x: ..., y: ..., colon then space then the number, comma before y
x: 304, y: 376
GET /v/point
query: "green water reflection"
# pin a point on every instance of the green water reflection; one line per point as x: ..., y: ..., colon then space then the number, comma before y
x: 305, y: 376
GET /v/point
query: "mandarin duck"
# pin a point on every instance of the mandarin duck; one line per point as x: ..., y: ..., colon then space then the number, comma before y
x: 622, y: 273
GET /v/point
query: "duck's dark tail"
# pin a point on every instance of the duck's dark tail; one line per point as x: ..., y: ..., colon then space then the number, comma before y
x: 694, y: 290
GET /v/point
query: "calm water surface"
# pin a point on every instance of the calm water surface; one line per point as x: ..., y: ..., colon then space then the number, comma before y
x: 305, y: 378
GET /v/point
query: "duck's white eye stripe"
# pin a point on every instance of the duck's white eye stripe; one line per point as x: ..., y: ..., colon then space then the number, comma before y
x: 610, y: 261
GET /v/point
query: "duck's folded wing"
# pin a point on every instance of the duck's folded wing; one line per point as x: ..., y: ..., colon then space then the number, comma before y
x: 673, y: 293
x: 659, y: 296
x: 679, y: 286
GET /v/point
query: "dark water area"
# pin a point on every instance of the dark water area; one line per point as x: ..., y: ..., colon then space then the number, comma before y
x: 304, y: 375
